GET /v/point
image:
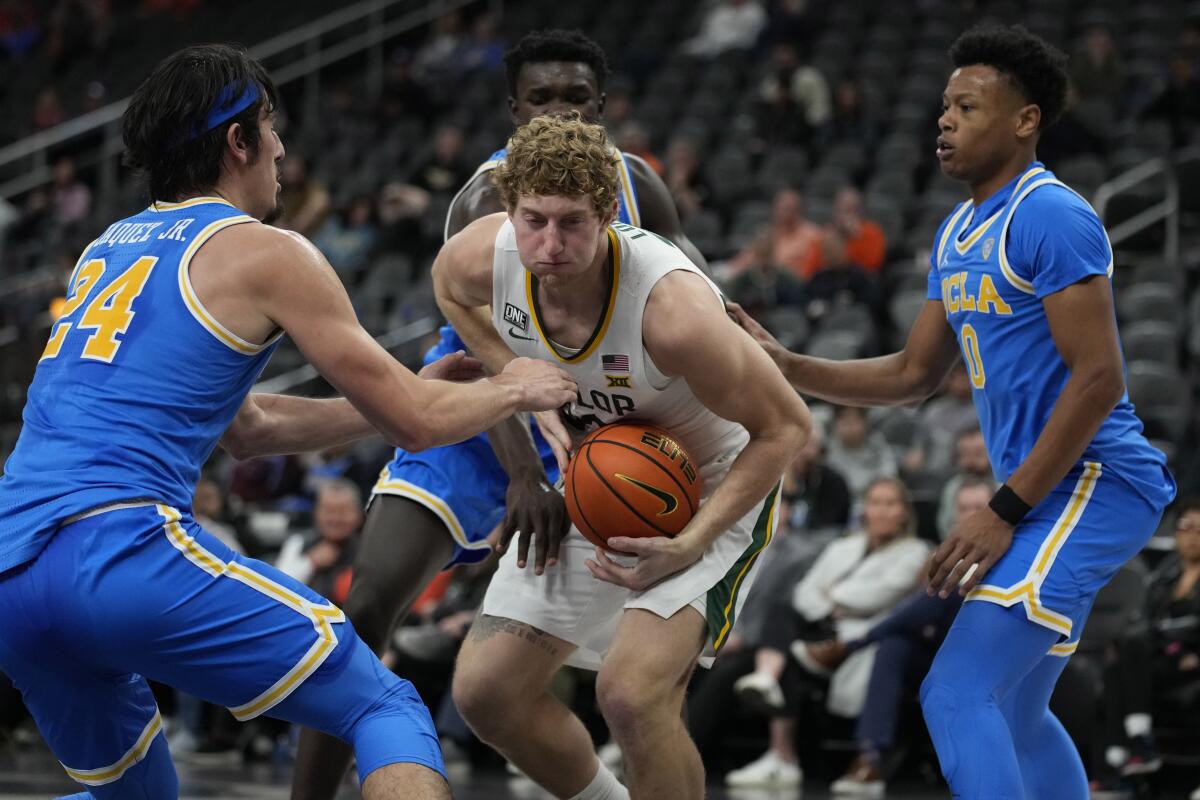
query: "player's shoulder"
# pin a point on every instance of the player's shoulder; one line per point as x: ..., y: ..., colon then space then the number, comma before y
x: 254, y: 244
x: 1053, y: 207
x: 476, y: 242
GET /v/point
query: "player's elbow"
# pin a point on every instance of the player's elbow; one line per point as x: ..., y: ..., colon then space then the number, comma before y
x: 413, y: 435
x: 245, y: 436
x: 1105, y: 384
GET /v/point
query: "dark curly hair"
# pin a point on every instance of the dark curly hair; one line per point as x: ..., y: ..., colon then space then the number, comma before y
x: 1037, y: 69
x: 554, y: 44
x: 163, y: 127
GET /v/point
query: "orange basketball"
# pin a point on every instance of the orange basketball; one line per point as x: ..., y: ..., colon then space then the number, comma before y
x: 631, y: 479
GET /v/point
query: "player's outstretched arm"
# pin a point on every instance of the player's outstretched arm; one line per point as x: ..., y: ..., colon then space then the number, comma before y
x: 908, y: 376
x: 298, y: 291
x: 687, y: 333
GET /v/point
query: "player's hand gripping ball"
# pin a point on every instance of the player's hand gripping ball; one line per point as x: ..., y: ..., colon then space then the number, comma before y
x: 631, y: 479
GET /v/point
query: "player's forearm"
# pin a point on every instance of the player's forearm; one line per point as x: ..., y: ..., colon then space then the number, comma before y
x: 1085, y: 402
x: 882, y: 381
x: 452, y: 412
x: 513, y: 445
x: 752, y: 476
x: 277, y: 424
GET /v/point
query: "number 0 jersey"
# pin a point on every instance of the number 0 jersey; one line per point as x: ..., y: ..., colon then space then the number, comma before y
x: 617, y: 380
x: 991, y: 267
x: 136, y: 384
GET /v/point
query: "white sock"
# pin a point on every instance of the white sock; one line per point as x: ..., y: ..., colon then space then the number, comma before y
x: 1115, y: 756
x: 604, y: 786
x: 1137, y: 725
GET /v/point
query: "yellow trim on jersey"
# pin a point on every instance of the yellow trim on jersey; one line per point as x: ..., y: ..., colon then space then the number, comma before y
x: 1027, y: 590
x: 635, y: 218
x: 160, y: 205
x: 322, y: 617
x: 1064, y: 649
x: 965, y: 245
x: 949, y: 231
x: 602, y: 328
x: 199, y: 312
x: 733, y: 594
x: 102, y: 775
x: 402, y: 488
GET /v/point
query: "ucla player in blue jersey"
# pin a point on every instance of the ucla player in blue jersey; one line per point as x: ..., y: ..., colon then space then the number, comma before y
x: 1020, y: 284
x: 436, y: 508
x: 105, y: 577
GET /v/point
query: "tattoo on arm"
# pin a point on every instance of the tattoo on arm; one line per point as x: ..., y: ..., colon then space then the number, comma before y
x: 487, y: 626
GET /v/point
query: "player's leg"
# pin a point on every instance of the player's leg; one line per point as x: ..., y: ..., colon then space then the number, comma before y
x: 987, y: 653
x: 501, y: 687
x: 1050, y: 764
x: 641, y: 689
x: 403, y: 546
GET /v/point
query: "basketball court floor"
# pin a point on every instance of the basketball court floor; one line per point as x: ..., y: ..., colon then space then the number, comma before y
x: 34, y: 775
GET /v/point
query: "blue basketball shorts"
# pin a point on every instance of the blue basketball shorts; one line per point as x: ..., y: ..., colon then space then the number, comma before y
x: 1067, y: 548
x: 463, y: 483
x: 143, y: 592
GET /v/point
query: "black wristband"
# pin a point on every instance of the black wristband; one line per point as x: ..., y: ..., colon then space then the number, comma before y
x: 1008, y: 506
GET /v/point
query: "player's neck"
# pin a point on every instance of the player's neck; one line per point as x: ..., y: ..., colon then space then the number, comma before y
x: 987, y: 187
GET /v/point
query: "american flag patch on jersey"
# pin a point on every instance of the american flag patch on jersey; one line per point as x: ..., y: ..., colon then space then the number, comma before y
x: 617, y: 363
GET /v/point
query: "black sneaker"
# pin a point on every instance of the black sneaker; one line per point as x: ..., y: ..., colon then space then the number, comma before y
x: 1144, y: 757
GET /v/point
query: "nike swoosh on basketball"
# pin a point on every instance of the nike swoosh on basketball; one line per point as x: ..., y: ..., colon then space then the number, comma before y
x: 513, y: 333
x: 669, y: 501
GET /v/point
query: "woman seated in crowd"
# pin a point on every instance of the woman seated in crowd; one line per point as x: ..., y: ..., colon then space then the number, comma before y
x: 852, y: 585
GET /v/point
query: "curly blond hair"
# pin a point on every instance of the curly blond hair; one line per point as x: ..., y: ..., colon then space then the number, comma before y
x: 559, y: 156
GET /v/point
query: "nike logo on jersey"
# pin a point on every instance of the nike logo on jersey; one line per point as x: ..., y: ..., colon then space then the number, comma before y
x: 513, y: 332
x: 669, y: 501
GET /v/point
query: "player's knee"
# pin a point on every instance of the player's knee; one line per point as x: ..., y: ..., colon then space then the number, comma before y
x: 629, y: 701
x: 489, y: 706
x: 368, y: 608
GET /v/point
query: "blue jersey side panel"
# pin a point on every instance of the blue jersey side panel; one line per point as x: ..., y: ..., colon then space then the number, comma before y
x: 136, y: 386
x: 991, y: 267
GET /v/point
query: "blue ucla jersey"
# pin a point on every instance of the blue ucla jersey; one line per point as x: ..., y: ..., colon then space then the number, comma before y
x: 990, y: 268
x: 136, y: 384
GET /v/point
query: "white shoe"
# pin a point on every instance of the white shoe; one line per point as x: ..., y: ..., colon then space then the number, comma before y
x: 768, y: 771
x: 760, y: 691
x: 852, y: 787
x: 1195, y: 795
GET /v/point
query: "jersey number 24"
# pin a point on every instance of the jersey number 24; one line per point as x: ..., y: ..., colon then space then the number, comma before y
x: 109, y: 314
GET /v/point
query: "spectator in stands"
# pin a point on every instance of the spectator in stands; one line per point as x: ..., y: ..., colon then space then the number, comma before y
x: 940, y: 421
x: 817, y: 494
x: 208, y: 509
x: 764, y: 284
x: 1158, y: 663
x: 1080, y: 131
x: 1096, y: 69
x: 684, y: 178
x: 71, y: 197
x: 972, y: 463
x: 728, y: 25
x: 47, y: 109
x: 631, y: 137
x: 794, y: 99
x: 855, y: 581
x: 445, y: 169
x: 20, y: 29
x: 323, y: 558
x: 403, y: 98
x: 796, y: 241
x: 905, y: 642
x: 484, y: 51
x: 1179, y: 101
x: 851, y: 120
x: 863, y: 242
x: 789, y: 21
x: 859, y: 454
x: 350, y: 236
x: 839, y: 282
x: 305, y: 200
x: 440, y: 57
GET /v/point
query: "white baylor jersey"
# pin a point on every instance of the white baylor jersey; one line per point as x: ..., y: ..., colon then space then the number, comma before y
x: 617, y: 379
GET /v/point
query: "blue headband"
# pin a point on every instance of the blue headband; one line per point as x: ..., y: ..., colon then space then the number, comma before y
x: 228, y: 105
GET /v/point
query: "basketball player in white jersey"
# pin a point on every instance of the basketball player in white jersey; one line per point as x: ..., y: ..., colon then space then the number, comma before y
x: 645, y: 336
